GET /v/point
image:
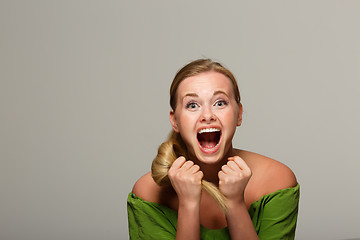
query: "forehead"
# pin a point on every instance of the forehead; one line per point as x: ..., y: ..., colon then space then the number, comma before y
x: 205, y: 82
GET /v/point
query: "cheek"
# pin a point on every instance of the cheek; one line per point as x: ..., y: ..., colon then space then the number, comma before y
x: 229, y: 117
x: 188, y: 117
x: 187, y: 127
x: 185, y: 122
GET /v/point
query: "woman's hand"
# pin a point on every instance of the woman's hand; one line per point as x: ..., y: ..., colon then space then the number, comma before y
x: 186, y: 178
x: 233, y: 178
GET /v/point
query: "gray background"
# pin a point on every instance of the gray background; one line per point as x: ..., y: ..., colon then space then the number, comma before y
x: 84, y: 104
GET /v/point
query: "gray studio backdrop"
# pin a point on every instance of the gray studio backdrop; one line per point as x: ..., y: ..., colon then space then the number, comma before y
x: 84, y: 104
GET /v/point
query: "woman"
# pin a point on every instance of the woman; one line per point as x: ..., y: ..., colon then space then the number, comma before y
x: 247, y: 195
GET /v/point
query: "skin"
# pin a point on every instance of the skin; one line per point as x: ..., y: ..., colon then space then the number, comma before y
x: 207, y: 100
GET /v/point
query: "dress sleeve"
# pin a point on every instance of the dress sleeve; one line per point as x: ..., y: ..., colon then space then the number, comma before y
x: 275, y: 215
x: 149, y: 221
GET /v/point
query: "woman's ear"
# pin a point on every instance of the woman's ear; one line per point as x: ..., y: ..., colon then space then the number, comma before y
x: 173, y: 121
x: 239, y: 118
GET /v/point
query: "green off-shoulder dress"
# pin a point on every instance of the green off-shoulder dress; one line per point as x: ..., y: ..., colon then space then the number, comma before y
x: 274, y: 217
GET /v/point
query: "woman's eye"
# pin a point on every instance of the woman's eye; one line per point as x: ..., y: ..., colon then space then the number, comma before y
x: 191, y: 105
x: 221, y: 103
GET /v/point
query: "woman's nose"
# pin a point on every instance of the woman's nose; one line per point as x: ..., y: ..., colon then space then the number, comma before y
x: 207, y: 115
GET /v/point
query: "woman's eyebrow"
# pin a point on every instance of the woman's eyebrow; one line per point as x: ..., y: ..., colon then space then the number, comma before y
x: 190, y: 95
x: 220, y: 92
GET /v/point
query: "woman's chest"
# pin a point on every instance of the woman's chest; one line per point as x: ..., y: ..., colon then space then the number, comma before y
x: 211, y: 215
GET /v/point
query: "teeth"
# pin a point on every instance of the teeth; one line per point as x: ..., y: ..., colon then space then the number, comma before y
x: 205, y: 130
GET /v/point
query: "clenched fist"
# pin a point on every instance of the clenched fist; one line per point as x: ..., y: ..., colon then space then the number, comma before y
x: 233, y: 178
x: 185, y: 177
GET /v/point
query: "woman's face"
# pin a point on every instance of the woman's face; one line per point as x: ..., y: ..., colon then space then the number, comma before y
x: 206, y: 116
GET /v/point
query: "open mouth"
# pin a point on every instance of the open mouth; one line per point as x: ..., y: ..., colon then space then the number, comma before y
x: 209, y: 138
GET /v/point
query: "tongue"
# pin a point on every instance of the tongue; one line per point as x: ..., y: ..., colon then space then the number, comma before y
x: 208, y: 140
x: 206, y: 144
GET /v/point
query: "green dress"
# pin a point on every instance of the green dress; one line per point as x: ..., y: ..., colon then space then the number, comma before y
x: 274, y: 217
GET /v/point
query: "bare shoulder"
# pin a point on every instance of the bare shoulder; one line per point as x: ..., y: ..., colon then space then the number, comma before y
x: 146, y: 188
x: 268, y: 174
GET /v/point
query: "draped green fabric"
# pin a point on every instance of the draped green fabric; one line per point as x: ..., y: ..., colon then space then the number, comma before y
x: 274, y: 217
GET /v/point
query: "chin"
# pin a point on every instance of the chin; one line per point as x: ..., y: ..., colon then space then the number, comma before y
x: 209, y: 158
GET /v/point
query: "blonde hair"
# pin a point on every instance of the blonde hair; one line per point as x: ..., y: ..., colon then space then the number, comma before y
x: 175, y: 147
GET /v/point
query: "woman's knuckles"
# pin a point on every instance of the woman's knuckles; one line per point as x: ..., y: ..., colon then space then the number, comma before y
x: 186, y: 177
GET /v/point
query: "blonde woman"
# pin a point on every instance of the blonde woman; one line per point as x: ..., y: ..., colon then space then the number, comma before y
x: 200, y: 186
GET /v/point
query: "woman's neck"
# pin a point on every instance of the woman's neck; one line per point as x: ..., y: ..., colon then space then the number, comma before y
x: 211, y: 171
